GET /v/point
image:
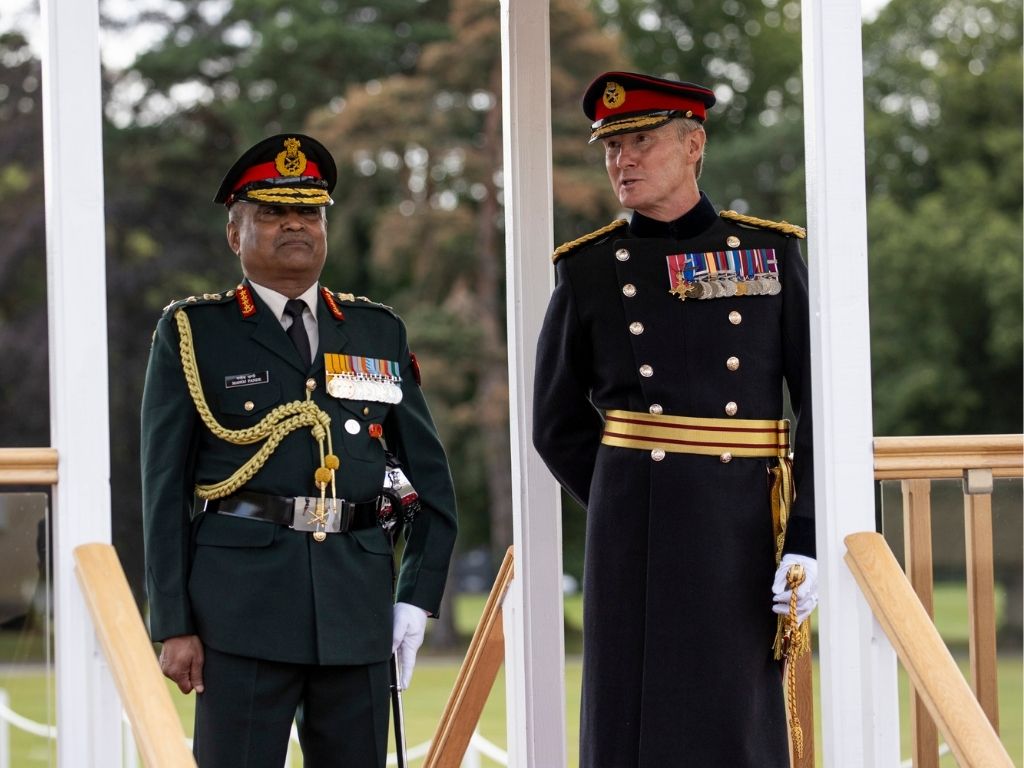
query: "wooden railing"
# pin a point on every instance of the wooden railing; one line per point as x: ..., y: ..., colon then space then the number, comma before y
x: 922, y: 652
x: 977, y: 459
x: 155, y: 722
x: 28, y: 466
x: 476, y: 678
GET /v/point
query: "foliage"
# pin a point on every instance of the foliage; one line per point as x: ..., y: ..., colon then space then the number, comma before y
x: 944, y: 172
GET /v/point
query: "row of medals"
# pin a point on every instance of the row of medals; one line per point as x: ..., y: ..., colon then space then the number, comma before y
x: 378, y: 390
x: 717, y: 288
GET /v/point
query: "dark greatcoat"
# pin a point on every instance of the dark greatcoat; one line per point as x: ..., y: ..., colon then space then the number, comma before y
x: 678, y: 627
x: 259, y: 589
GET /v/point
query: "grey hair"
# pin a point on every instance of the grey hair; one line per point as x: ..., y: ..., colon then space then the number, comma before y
x: 686, y: 126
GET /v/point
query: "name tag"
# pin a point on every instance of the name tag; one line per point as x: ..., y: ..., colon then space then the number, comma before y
x: 246, y: 379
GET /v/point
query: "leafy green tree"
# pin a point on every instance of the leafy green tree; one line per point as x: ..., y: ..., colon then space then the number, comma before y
x: 942, y: 81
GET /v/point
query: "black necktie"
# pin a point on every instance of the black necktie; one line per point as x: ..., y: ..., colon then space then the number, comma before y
x: 297, y: 330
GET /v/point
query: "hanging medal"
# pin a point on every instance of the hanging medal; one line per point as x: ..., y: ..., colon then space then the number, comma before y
x: 350, y: 377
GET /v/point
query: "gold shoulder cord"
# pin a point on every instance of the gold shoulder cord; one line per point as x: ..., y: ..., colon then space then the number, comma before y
x: 566, y: 247
x: 779, y: 226
x: 273, y: 427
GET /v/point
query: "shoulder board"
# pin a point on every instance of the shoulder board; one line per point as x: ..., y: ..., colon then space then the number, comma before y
x: 752, y: 221
x: 351, y: 298
x: 204, y: 298
x: 572, y: 245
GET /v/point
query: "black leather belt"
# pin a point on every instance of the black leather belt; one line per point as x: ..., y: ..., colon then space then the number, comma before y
x: 299, y: 512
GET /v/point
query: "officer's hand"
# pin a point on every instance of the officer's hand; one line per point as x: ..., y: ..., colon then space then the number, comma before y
x: 406, y: 638
x: 806, y: 593
x: 181, y: 659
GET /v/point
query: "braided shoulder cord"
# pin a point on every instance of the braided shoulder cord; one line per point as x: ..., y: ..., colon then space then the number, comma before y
x: 273, y: 427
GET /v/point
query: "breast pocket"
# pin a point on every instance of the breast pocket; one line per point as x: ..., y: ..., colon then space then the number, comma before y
x: 244, y: 406
x: 358, y: 422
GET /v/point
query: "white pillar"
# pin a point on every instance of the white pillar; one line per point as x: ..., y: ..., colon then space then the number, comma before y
x: 859, y: 703
x: 534, y: 657
x: 88, y: 709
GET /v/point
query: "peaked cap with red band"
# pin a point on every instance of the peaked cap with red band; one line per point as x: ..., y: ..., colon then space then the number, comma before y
x: 287, y: 169
x: 625, y: 102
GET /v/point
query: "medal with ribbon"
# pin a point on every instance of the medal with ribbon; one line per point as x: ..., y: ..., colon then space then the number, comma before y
x: 719, y: 274
x: 363, y: 378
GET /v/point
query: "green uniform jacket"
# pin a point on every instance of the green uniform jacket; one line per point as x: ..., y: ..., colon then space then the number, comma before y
x: 260, y: 589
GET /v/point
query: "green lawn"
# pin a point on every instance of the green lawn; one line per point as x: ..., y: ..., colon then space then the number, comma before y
x: 435, y: 676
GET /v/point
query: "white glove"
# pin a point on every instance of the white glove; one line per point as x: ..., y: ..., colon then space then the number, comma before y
x: 806, y: 593
x: 409, y: 622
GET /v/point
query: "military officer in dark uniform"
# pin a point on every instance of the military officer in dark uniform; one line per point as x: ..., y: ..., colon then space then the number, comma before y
x: 659, y: 407
x: 267, y: 412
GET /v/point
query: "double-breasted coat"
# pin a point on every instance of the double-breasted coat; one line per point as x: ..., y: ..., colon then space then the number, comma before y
x: 259, y: 589
x: 678, y: 666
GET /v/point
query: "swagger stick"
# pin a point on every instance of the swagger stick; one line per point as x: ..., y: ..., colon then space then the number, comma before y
x: 399, y: 505
x: 396, y: 689
x: 396, y: 712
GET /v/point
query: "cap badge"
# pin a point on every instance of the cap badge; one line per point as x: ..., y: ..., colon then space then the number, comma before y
x: 291, y: 162
x: 614, y: 95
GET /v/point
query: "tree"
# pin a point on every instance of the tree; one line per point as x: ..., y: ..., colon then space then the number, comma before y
x: 944, y: 173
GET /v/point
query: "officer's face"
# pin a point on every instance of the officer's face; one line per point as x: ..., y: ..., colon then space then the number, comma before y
x: 280, y: 246
x: 653, y: 172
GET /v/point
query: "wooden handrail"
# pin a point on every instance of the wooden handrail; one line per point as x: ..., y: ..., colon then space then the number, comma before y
x: 155, y: 723
x: 905, y: 458
x: 476, y: 678
x: 928, y: 662
x: 28, y: 466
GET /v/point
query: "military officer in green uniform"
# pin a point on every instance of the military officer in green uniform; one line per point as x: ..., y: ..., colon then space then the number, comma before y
x: 659, y: 406
x: 267, y: 413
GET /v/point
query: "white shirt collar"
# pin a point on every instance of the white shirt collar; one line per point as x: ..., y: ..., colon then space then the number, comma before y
x: 276, y: 301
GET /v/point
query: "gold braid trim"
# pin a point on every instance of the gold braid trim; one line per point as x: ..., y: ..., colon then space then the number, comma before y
x: 567, y: 247
x: 792, y: 640
x: 629, y: 124
x: 273, y: 427
x: 779, y: 226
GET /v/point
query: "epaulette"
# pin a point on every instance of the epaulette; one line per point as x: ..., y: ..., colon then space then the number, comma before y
x: 567, y: 248
x: 205, y: 298
x: 779, y: 226
x: 351, y: 298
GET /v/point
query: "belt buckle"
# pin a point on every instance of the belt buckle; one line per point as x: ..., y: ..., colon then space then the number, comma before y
x: 316, y: 517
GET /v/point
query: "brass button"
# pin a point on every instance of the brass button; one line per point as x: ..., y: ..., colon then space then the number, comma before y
x: 249, y: 405
x: 636, y: 328
x: 731, y: 408
x: 725, y: 458
x: 646, y: 371
x: 310, y: 384
x: 629, y: 290
x: 656, y: 409
x: 732, y: 241
x: 366, y: 410
x: 658, y: 454
x: 732, y: 363
x: 622, y: 254
x: 735, y: 317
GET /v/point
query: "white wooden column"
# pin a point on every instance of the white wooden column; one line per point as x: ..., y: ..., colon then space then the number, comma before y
x: 859, y: 704
x: 88, y: 708
x: 534, y: 661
